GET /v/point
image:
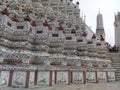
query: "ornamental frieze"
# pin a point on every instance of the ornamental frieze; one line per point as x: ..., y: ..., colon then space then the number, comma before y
x: 41, y: 37
x: 17, y: 56
x: 17, y: 67
x: 23, y: 32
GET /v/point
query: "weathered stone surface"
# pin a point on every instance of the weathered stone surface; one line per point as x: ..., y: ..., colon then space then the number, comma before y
x: 101, y: 86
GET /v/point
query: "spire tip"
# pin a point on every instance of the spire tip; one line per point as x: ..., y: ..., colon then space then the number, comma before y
x: 99, y: 10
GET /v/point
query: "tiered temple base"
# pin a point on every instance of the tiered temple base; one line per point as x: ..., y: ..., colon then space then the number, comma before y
x: 31, y: 76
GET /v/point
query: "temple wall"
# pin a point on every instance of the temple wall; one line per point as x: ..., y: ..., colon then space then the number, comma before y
x: 45, y: 44
x: 27, y: 79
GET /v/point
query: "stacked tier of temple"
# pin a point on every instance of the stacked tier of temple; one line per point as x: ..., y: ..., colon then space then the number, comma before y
x: 46, y: 42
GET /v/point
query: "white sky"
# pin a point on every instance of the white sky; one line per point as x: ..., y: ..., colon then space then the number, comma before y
x: 108, y: 8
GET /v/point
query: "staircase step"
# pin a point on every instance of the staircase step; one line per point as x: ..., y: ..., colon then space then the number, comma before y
x: 116, y: 65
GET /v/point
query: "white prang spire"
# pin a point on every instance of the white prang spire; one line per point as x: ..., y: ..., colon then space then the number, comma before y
x: 100, y: 27
x: 100, y: 21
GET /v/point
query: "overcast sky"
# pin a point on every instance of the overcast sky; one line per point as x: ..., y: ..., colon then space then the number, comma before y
x: 108, y: 8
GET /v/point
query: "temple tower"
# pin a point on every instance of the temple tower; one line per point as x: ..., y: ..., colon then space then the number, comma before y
x: 117, y: 29
x: 100, y: 27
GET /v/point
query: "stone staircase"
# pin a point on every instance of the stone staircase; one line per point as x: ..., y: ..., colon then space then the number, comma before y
x: 116, y: 65
x: 115, y: 57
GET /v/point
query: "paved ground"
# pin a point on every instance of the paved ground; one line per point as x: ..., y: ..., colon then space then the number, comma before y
x: 100, y: 86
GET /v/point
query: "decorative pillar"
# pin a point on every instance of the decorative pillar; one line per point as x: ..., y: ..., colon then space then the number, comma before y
x: 107, y: 76
x: 36, y: 78
x: 55, y: 77
x: 115, y: 75
x: 84, y: 77
x: 27, y: 79
x: 96, y: 76
x: 0, y: 73
x: 69, y: 77
x: 50, y: 79
x: 10, y: 78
